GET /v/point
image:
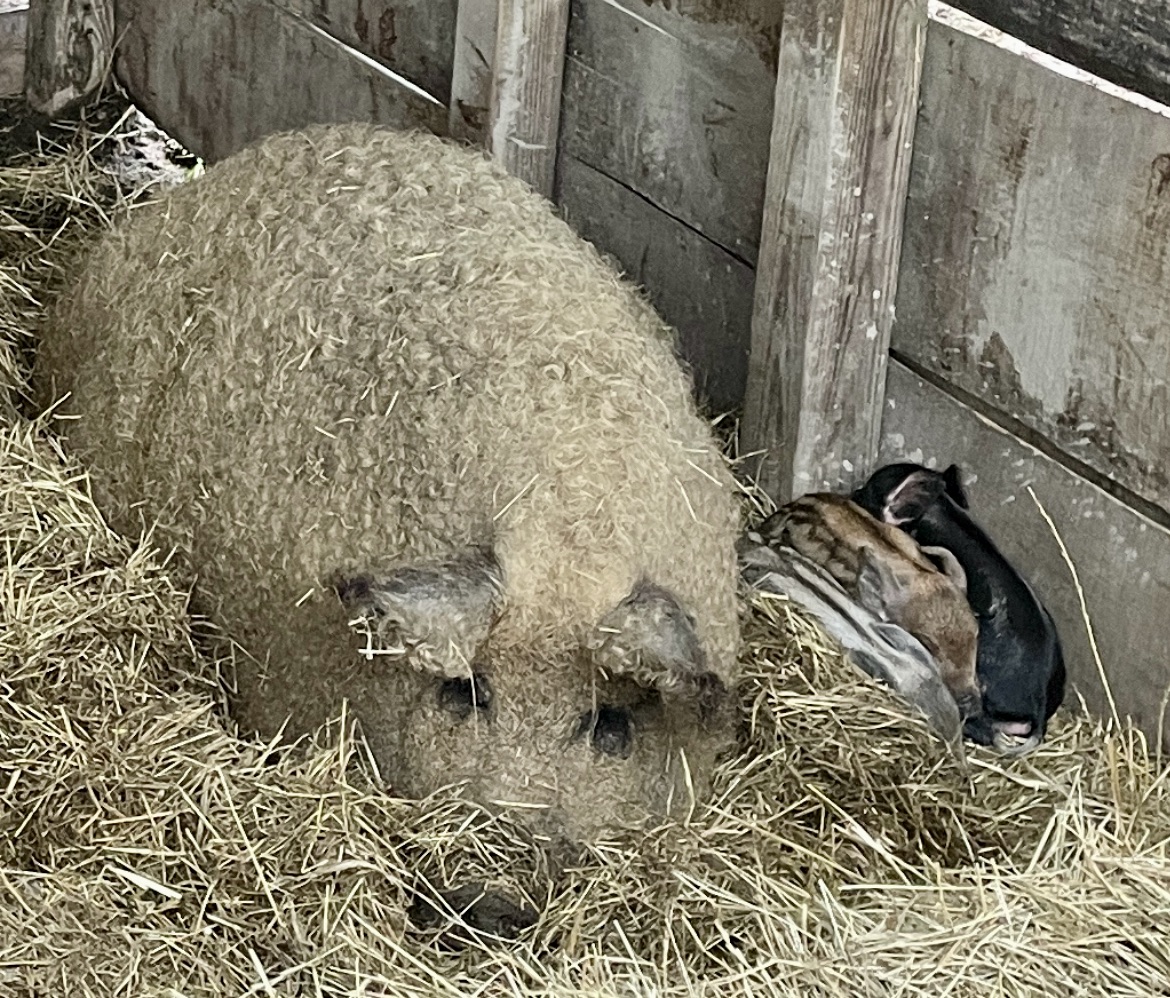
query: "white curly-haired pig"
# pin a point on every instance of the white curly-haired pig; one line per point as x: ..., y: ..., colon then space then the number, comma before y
x: 363, y: 375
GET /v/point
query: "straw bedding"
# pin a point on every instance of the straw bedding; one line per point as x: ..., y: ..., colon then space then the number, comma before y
x: 146, y: 850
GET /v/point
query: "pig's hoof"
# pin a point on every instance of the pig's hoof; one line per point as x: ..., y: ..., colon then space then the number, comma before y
x: 970, y: 705
x: 471, y: 907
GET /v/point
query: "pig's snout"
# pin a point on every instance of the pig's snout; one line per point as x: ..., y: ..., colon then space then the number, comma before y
x: 475, y: 907
x: 1008, y: 737
x: 1014, y: 737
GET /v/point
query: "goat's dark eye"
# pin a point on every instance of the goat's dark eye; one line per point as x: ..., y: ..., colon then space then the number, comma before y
x: 610, y: 729
x: 462, y: 696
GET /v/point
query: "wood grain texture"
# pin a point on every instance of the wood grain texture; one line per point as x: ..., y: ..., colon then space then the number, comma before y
x: 1037, y: 255
x: 1122, y: 558
x: 13, y: 22
x: 411, y: 37
x: 471, y: 73
x: 68, y: 52
x: 1126, y: 42
x: 675, y: 102
x: 696, y: 285
x: 524, y: 108
x: 846, y: 97
x: 218, y: 74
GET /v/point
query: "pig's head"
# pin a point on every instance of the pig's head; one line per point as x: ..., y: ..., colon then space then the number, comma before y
x: 607, y: 726
x: 903, y: 493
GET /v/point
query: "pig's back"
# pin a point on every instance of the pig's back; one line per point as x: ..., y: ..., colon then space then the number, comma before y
x: 348, y: 348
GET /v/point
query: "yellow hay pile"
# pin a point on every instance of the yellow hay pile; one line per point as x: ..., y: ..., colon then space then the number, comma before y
x: 50, y: 202
x: 145, y: 850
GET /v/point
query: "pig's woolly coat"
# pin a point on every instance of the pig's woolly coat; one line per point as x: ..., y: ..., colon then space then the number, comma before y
x: 349, y: 348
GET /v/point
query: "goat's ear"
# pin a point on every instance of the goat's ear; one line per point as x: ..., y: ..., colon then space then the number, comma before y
x: 651, y: 638
x: 948, y: 564
x: 907, y: 502
x: 439, y: 613
x: 953, y: 483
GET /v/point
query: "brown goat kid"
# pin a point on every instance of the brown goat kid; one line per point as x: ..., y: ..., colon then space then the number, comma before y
x: 889, y: 574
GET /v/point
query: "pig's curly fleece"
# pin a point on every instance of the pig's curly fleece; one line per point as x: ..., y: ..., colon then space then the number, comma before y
x: 349, y: 348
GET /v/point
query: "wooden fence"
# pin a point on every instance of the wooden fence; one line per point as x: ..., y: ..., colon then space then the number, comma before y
x: 882, y: 237
x: 13, y: 21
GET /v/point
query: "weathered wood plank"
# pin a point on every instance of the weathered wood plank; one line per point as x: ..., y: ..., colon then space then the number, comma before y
x: 524, y: 108
x: 1122, y: 558
x: 68, y: 52
x: 13, y: 22
x: 471, y: 74
x: 1036, y: 253
x: 218, y: 75
x: 698, y: 287
x: 411, y: 37
x: 1126, y: 42
x: 674, y: 100
x: 846, y: 98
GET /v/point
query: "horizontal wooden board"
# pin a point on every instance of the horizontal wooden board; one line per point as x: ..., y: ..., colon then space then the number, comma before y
x: 412, y: 37
x: 1126, y: 42
x: 699, y: 288
x: 1122, y: 558
x: 1035, y: 257
x: 674, y: 100
x: 218, y: 74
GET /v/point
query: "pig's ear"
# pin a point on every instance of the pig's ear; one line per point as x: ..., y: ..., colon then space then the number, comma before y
x: 953, y: 482
x: 650, y: 638
x: 441, y: 613
x: 948, y: 564
x: 908, y: 501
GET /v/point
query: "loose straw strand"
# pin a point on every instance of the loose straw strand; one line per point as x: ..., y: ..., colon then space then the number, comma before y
x: 1084, y: 609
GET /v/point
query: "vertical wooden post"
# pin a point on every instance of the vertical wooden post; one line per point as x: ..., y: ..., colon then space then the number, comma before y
x: 525, y: 104
x: 471, y: 74
x: 843, y: 127
x: 69, y: 49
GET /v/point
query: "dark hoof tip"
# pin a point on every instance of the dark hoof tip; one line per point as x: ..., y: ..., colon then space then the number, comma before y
x: 970, y: 705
